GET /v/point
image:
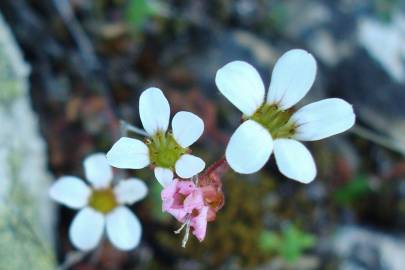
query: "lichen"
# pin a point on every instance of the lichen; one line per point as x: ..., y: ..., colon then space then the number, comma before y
x: 25, y: 239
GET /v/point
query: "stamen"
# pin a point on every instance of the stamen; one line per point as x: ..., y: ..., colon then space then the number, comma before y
x: 103, y: 200
x: 164, y: 151
x: 275, y: 120
x: 185, y: 238
x: 181, y: 228
x: 186, y: 235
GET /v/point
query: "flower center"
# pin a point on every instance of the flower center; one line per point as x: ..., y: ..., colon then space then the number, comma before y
x: 275, y: 120
x: 179, y: 200
x: 164, y: 151
x: 103, y: 200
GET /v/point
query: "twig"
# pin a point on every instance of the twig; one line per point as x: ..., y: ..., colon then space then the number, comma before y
x: 90, y: 60
x: 85, y: 48
x: 378, y: 139
x: 71, y: 259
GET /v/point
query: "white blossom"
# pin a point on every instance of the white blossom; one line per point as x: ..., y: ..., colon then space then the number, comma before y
x: 270, y: 124
x: 101, y: 207
x: 165, y: 151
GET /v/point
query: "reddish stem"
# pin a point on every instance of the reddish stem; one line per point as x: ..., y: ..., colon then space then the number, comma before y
x: 221, y: 165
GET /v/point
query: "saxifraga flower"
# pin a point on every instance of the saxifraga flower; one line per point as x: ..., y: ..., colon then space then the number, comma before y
x: 269, y: 122
x: 165, y: 151
x: 101, y: 206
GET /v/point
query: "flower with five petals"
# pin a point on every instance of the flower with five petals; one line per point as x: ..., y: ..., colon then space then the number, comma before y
x: 101, y: 206
x: 270, y: 123
x: 165, y: 151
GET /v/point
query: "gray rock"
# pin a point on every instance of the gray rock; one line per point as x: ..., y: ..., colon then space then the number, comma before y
x: 372, y: 34
x: 26, y: 215
x: 364, y: 249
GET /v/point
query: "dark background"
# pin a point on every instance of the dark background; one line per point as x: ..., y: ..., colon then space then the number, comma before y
x: 91, y: 59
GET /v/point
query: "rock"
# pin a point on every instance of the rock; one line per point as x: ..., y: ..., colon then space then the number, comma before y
x: 362, y: 249
x: 373, y: 33
x: 26, y: 215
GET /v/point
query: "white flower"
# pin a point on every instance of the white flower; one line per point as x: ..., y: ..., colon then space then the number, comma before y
x: 166, y: 151
x: 271, y: 123
x: 101, y: 206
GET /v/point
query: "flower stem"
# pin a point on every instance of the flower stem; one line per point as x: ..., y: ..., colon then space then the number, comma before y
x: 72, y: 258
x: 220, y: 167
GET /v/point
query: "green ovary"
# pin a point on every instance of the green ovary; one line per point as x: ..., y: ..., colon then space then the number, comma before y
x: 164, y: 151
x: 275, y: 120
x: 103, y: 200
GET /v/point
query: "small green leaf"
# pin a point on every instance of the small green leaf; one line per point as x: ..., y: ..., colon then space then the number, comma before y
x: 308, y: 241
x: 138, y: 11
x: 289, y: 244
x: 352, y: 191
x: 269, y: 241
x: 294, y: 242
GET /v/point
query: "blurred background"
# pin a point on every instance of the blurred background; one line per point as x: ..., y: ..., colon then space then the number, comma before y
x: 71, y: 69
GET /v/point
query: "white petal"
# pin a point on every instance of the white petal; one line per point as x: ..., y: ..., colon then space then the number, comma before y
x: 128, y: 153
x: 70, y: 191
x: 189, y: 165
x: 323, y: 118
x: 98, y: 171
x: 164, y: 176
x: 154, y: 110
x: 123, y: 228
x: 86, y: 229
x: 130, y: 191
x: 187, y: 128
x: 294, y: 160
x: 292, y: 77
x: 241, y: 84
x: 249, y: 148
